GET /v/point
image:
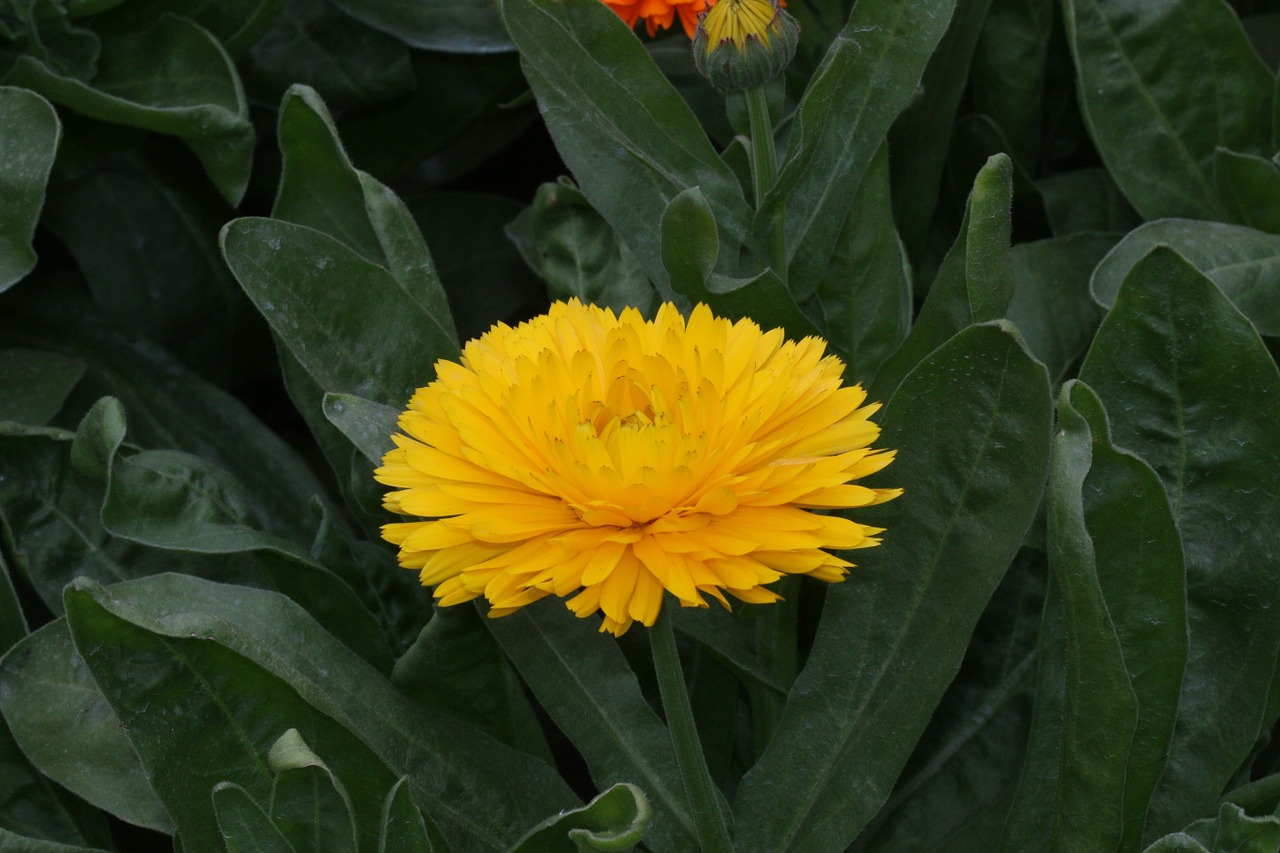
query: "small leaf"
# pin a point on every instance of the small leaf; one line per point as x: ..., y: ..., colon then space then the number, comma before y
x: 367, y: 424
x: 12, y: 843
x: 172, y: 77
x: 29, y: 134
x: 464, y: 26
x: 1249, y: 188
x: 309, y: 805
x: 566, y: 242
x: 403, y: 828
x: 614, y: 821
x: 974, y: 283
x: 242, y: 823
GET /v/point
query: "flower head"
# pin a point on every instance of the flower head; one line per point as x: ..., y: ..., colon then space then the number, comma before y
x: 659, y: 14
x: 616, y: 459
x: 744, y: 43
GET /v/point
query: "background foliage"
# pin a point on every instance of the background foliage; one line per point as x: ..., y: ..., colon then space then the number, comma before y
x: 235, y: 235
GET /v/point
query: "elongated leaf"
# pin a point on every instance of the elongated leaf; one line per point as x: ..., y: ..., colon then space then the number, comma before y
x: 869, y: 75
x: 29, y: 134
x: 613, y: 821
x: 172, y: 77
x: 975, y: 282
x: 630, y: 140
x: 347, y: 321
x: 1157, y: 115
x: 65, y: 726
x: 403, y: 828
x: 1009, y: 68
x: 689, y: 253
x: 1249, y: 188
x: 36, y: 384
x: 318, y: 45
x: 866, y: 295
x: 1051, y: 303
x: 12, y: 843
x: 469, y: 26
x: 243, y: 824
x: 13, y: 625
x: 237, y: 24
x: 1243, y: 262
x: 953, y: 792
x: 921, y: 136
x: 249, y: 645
x: 971, y: 425
x: 309, y: 804
x: 169, y: 406
x: 146, y: 238
x: 1200, y: 395
x: 585, y: 684
x: 366, y: 424
x: 1232, y: 831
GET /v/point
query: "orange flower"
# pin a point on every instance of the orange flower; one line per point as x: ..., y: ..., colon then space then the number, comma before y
x: 659, y: 14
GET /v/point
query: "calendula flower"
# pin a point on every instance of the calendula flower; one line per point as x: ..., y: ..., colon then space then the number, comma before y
x: 659, y: 14
x: 744, y: 43
x: 615, y: 459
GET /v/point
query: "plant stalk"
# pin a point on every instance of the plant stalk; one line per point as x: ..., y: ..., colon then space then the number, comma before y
x: 764, y: 172
x: 713, y: 834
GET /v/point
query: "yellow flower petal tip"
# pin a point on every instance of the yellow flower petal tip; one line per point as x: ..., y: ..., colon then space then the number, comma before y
x: 610, y: 460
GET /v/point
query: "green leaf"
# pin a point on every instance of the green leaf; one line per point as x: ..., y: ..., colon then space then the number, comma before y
x: 952, y: 793
x: 13, y: 625
x: 463, y: 26
x: 971, y: 426
x: 368, y: 425
x: 29, y: 135
x: 1118, y: 564
x: 36, y: 384
x: 689, y: 252
x: 1243, y: 262
x: 243, y: 824
x: 455, y: 666
x: 1086, y: 201
x: 309, y: 805
x: 178, y: 502
x: 403, y: 827
x: 66, y: 728
x: 1051, y: 305
x: 1197, y: 396
x: 868, y: 77
x: 317, y: 45
x: 267, y: 667
x: 172, y: 77
x: 866, y: 296
x: 570, y: 246
x: 347, y: 321
x: 169, y: 407
x: 631, y: 142
x: 11, y: 843
x: 614, y: 821
x: 1009, y: 69
x: 1249, y: 188
x: 1157, y: 115
x: 1232, y: 831
x: 975, y: 281
x: 146, y: 239
x: 584, y: 683
x: 921, y: 135
x: 237, y: 24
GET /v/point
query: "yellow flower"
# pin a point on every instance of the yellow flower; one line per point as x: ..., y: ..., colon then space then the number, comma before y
x: 659, y: 14
x: 613, y: 458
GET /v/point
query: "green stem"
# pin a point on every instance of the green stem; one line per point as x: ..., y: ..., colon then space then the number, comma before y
x: 713, y: 834
x: 764, y: 171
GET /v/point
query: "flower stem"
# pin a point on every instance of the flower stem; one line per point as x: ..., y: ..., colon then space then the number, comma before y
x: 713, y: 834
x: 764, y: 171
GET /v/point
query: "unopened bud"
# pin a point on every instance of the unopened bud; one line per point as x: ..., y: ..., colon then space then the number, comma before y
x: 740, y: 44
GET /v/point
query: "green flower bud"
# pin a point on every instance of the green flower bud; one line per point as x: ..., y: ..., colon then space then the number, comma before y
x: 741, y: 44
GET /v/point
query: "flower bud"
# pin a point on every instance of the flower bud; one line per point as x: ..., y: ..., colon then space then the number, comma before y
x: 740, y: 44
